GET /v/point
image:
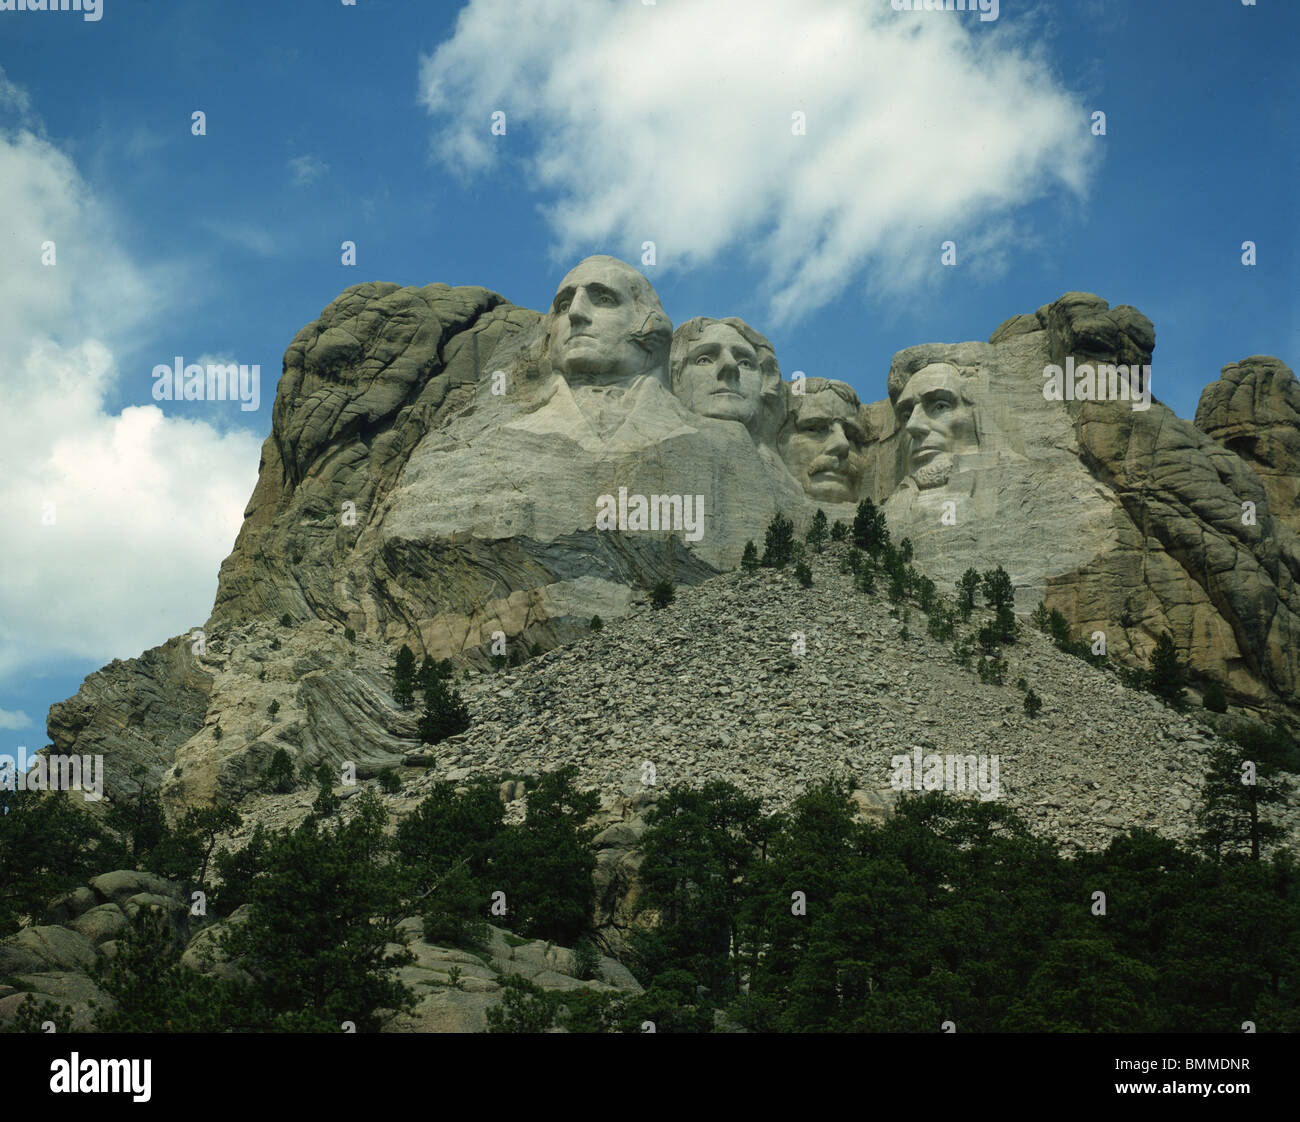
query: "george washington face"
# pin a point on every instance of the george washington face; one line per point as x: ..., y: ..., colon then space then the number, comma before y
x: 598, y: 323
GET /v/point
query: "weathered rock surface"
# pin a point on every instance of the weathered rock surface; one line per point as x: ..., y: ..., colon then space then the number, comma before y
x: 400, y: 496
x: 1254, y: 411
x: 1129, y: 520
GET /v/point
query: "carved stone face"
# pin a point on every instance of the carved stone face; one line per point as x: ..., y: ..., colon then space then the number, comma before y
x: 721, y: 377
x: 823, y: 447
x: 938, y: 423
x: 594, y: 319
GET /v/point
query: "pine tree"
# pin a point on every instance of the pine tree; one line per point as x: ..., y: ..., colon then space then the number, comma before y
x: 749, y: 559
x: 778, y: 542
x: 279, y: 776
x: 321, y: 924
x: 817, y: 532
x: 1167, y: 676
x: 998, y: 589
x: 967, y: 587
x: 545, y: 865
x: 404, y: 678
x: 444, y: 713
x: 869, y: 529
x: 1235, y: 789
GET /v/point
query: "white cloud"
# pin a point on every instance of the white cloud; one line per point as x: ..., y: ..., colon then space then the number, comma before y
x: 145, y: 506
x: 672, y: 123
x: 306, y: 170
x: 14, y: 719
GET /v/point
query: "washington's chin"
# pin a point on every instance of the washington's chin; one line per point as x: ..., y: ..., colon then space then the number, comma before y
x: 587, y: 360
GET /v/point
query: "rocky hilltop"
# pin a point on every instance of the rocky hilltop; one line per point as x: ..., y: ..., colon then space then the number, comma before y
x: 453, y: 472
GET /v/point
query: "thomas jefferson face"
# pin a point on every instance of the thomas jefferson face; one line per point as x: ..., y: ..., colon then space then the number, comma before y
x: 721, y: 377
x: 823, y: 450
x: 593, y: 319
x: 937, y: 421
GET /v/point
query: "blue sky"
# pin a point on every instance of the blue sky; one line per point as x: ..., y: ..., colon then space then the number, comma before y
x: 625, y: 122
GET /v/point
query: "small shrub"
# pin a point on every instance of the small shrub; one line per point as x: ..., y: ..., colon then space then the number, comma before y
x: 803, y: 574
x: 596, y: 624
x: 586, y: 959
x: 1214, y: 699
x: 390, y: 781
x: 817, y: 532
x: 942, y: 624
x: 839, y: 531
x: 663, y: 594
x: 350, y: 634
x: 992, y: 670
x: 749, y: 559
x: 286, y: 620
x: 217, y: 734
x: 273, y: 709
x: 1033, y: 703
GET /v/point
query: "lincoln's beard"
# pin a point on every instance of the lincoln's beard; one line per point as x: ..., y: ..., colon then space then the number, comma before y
x: 934, y: 474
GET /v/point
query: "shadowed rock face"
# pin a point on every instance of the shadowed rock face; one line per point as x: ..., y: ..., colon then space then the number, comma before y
x: 1254, y: 411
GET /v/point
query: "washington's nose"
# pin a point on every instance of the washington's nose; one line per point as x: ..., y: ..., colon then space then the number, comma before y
x: 580, y: 308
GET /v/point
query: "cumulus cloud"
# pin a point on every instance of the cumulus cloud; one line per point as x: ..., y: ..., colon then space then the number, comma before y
x: 675, y: 123
x: 13, y: 719
x: 115, y: 522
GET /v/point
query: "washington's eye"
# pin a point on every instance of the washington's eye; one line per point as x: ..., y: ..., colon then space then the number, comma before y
x: 562, y: 306
x: 606, y: 298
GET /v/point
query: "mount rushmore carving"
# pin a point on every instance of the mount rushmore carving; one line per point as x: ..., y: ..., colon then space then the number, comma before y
x: 445, y: 467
